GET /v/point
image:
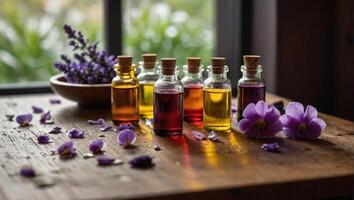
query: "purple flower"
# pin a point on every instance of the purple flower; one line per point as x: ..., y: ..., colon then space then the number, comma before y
x: 126, y: 137
x: 54, y: 101
x: 141, y: 162
x: 300, y: 124
x: 96, y: 146
x: 198, y: 135
x: 105, y: 160
x: 67, y: 150
x: 45, y: 117
x: 55, y: 130
x: 260, y: 120
x: 274, y: 147
x: 10, y: 117
x: 43, y: 139
x: 24, y: 120
x: 37, y: 109
x: 76, y: 133
x: 27, y: 171
x: 126, y: 126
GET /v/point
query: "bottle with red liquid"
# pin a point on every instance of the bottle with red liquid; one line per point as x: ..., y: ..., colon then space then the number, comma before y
x: 168, y: 101
x: 193, y: 91
x: 251, y: 87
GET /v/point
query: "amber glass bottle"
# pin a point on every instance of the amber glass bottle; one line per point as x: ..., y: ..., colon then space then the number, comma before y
x: 168, y: 101
x: 193, y: 91
x: 125, y: 92
x: 217, y: 98
x: 147, y: 79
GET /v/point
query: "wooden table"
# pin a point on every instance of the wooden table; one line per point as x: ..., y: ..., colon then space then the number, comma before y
x: 185, y: 168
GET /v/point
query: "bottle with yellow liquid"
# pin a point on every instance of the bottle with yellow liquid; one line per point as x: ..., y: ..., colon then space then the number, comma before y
x: 125, y: 92
x: 217, y: 98
x: 147, y: 79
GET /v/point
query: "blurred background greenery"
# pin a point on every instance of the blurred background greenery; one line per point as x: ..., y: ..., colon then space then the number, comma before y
x: 31, y: 35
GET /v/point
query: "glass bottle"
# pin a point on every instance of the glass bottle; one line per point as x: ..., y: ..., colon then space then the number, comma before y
x: 168, y: 101
x: 251, y: 87
x: 217, y: 98
x: 147, y: 79
x: 193, y: 91
x: 125, y: 92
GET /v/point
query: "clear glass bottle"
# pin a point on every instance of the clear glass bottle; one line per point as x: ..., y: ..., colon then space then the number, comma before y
x: 217, y: 98
x: 147, y: 78
x: 168, y: 101
x: 193, y: 90
x: 251, y: 87
x: 125, y: 92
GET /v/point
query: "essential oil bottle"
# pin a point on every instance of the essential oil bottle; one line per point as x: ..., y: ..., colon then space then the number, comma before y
x: 251, y: 87
x: 217, y: 97
x: 193, y: 91
x: 147, y: 78
x: 125, y: 92
x: 168, y: 101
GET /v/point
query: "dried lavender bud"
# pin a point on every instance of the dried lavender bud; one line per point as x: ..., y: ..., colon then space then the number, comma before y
x: 55, y: 130
x: 27, y: 171
x: 274, y: 147
x: 43, y: 139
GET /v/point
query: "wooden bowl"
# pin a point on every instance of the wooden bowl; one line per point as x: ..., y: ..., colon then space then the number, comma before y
x: 87, y: 95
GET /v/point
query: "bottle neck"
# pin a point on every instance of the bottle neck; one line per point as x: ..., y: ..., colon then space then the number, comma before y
x: 152, y: 70
x: 193, y: 75
x: 252, y: 74
x: 168, y: 77
x: 218, y: 76
x: 126, y: 74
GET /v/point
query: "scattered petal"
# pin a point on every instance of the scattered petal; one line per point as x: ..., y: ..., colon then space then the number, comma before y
x: 105, y: 160
x: 46, y: 118
x: 24, y: 120
x: 101, y: 122
x: 67, y: 150
x: 107, y: 128
x: 126, y: 137
x: 10, y: 117
x: 55, y: 130
x: 92, y: 122
x: 37, y: 109
x: 54, y: 101
x: 142, y: 162
x: 126, y: 126
x: 96, y: 146
x: 198, y: 135
x: 273, y: 147
x: 27, y: 171
x: 76, y: 133
x: 43, y: 139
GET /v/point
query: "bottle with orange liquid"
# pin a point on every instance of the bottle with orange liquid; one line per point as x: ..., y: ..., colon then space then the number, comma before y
x: 125, y: 92
x: 193, y: 91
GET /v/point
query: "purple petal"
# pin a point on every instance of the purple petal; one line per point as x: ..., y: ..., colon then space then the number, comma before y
x: 76, y: 133
x: 272, y: 128
x: 198, y: 135
x: 27, y: 171
x: 245, y: 124
x: 309, y: 114
x: 54, y: 101
x: 250, y: 112
x: 313, y: 130
x: 37, y: 109
x: 55, y: 130
x: 295, y: 110
x: 261, y: 108
x: 252, y: 132
x: 105, y: 160
x: 43, y: 139
x: 10, y: 117
x: 45, y: 117
x: 290, y: 132
x: 320, y: 122
x: 96, y: 146
x: 126, y: 137
x: 101, y: 122
x: 272, y: 115
x: 274, y: 147
x: 92, y: 122
x: 67, y: 150
x: 290, y: 122
x: 141, y: 162
x: 24, y: 119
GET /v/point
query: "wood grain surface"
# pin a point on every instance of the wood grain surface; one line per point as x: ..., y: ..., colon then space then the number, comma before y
x: 185, y: 168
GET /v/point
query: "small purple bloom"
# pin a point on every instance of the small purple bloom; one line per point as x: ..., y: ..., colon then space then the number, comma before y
x: 45, y: 117
x: 27, y: 171
x: 141, y: 162
x: 126, y: 137
x: 24, y: 120
x: 126, y: 126
x: 43, y: 139
x: 273, y: 147
x: 96, y: 146
x: 76, y: 133
x: 10, y: 117
x: 198, y: 135
x: 260, y: 120
x: 54, y: 101
x: 300, y: 124
x: 67, y: 150
x: 105, y: 160
x: 36, y: 109
x: 55, y: 130
x: 101, y: 122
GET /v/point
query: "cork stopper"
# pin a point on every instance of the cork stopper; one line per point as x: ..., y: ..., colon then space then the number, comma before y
x: 149, y: 60
x: 193, y: 64
x: 217, y: 65
x: 125, y: 62
x: 251, y: 63
x: 168, y: 66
